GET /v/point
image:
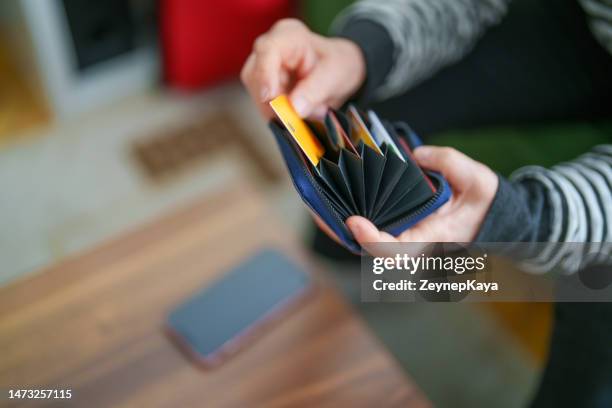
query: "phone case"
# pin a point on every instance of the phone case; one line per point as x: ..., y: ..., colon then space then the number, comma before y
x: 391, y: 191
x: 188, y: 325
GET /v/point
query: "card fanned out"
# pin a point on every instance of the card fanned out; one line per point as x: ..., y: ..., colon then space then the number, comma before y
x: 361, y: 166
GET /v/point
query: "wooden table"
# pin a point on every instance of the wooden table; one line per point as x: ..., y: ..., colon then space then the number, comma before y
x: 94, y: 324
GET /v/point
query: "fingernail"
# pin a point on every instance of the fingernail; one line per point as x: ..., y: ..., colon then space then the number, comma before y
x: 301, y: 105
x: 265, y: 94
x: 354, y: 227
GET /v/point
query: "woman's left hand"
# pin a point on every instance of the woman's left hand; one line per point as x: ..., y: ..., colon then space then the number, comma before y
x: 474, y: 186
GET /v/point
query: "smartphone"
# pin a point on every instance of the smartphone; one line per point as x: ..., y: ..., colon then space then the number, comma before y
x: 232, y: 312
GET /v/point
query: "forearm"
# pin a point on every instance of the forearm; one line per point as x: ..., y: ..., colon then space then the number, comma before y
x: 419, y: 37
x: 569, y: 203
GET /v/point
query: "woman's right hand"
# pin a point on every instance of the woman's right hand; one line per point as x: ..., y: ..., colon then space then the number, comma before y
x: 315, y: 71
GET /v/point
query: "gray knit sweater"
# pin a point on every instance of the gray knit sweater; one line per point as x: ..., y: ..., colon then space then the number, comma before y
x: 571, y: 202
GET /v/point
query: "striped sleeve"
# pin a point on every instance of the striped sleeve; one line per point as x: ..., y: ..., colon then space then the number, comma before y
x: 600, y: 20
x: 579, y: 201
x: 426, y: 34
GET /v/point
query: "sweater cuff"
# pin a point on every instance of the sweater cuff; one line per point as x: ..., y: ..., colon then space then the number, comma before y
x: 377, y: 48
x: 519, y: 213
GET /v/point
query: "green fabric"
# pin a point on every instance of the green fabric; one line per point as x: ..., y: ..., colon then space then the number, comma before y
x: 506, y: 149
x: 319, y: 14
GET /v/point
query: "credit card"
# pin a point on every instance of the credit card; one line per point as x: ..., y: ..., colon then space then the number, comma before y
x: 381, y: 134
x: 298, y: 129
x: 327, y: 139
x: 360, y: 130
x: 332, y: 129
x: 342, y: 136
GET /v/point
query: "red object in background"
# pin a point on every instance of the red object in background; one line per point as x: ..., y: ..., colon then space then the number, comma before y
x: 207, y: 41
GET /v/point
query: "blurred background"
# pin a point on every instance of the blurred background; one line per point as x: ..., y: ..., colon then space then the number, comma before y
x: 115, y: 113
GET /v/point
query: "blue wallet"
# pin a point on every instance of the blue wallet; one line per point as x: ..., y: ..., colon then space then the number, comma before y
x: 382, y: 183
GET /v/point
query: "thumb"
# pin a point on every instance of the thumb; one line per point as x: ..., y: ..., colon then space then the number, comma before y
x: 455, y: 166
x: 313, y: 91
x: 365, y: 232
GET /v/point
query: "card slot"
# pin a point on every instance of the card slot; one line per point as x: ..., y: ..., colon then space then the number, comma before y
x: 360, y: 146
x: 337, y: 205
x: 339, y: 187
x: 332, y: 155
x: 373, y: 168
x: 405, y: 143
x: 381, y: 134
x: 331, y: 149
x: 343, y: 121
x: 333, y: 127
x: 309, y: 189
x: 360, y: 130
x: 400, y: 192
x: 413, y: 171
x: 351, y: 167
x: 329, y: 190
x: 418, y: 195
x: 340, y: 123
x: 332, y: 175
x: 398, y: 141
x: 392, y: 173
x: 406, y: 203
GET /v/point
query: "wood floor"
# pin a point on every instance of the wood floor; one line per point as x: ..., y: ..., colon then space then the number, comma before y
x: 94, y: 324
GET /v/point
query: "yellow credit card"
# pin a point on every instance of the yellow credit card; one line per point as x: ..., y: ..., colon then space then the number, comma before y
x: 361, y: 130
x: 300, y: 131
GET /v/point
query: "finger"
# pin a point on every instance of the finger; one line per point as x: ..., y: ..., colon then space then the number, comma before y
x: 295, y: 43
x: 319, y: 113
x: 313, y: 91
x: 456, y: 167
x: 365, y: 232
x: 418, y: 233
x: 249, y: 80
x: 266, y: 75
x: 284, y: 51
x: 247, y: 73
x: 434, y: 228
x: 373, y: 241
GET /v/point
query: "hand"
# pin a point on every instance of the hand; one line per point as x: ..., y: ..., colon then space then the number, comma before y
x: 474, y: 186
x: 316, y: 72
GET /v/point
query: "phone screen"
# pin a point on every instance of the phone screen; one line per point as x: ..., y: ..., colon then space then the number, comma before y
x: 234, y: 306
